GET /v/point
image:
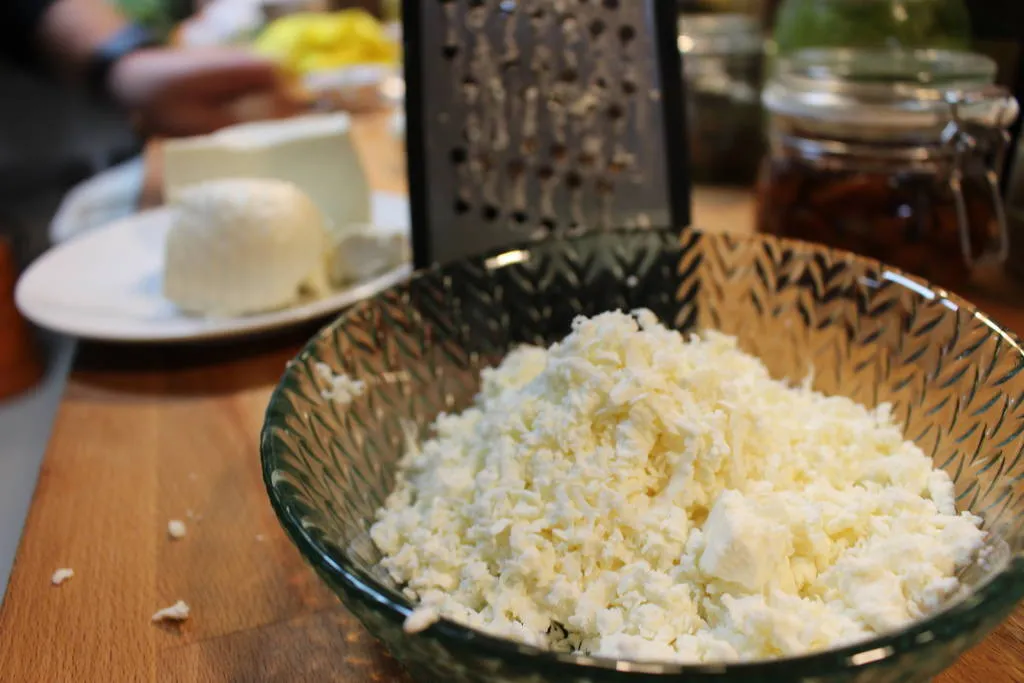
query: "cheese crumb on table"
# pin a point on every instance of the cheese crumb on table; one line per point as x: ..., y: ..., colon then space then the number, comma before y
x: 61, y: 575
x: 179, y: 611
x: 633, y: 493
x: 176, y: 529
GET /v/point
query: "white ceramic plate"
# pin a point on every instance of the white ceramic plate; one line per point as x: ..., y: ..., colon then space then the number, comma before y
x: 106, y: 285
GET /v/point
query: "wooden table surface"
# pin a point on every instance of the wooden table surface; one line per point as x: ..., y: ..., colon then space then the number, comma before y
x: 145, y: 435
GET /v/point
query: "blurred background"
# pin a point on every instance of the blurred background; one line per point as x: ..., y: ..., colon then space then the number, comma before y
x: 52, y: 138
x: 347, y: 56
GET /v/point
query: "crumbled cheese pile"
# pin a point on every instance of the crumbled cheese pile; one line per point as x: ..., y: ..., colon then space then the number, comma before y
x: 631, y: 493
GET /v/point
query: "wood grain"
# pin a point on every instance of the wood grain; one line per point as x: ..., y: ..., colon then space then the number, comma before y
x: 145, y: 435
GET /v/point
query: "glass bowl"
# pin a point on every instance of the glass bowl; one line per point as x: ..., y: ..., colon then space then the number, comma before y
x: 871, y: 333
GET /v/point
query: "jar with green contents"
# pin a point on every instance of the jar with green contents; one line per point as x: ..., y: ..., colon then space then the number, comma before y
x: 907, y: 24
x: 890, y: 154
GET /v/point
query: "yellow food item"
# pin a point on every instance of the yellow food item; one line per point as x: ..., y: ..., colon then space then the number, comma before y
x: 308, y: 42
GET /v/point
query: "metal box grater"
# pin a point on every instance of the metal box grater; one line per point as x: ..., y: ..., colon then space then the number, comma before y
x: 530, y: 118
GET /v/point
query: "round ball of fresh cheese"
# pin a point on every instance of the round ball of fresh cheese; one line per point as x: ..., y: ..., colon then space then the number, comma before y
x: 240, y: 246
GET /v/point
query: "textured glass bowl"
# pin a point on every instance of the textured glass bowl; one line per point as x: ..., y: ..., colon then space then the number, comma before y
x: 953, y: 376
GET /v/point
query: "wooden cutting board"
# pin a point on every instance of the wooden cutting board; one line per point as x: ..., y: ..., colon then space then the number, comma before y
x: 146, y: 435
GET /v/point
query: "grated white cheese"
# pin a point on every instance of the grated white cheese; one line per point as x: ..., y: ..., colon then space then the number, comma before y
x: 630, y: 493
x: 61, y: 575
x: 176, y: 529
x: 179, y: 611
x: 340, y: 388
x: 420, y: 619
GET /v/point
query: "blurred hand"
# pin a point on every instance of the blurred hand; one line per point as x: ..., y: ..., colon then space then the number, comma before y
x: 193, y: 91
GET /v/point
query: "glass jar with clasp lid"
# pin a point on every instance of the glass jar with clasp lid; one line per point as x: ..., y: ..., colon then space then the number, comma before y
x: 893, y: 154
x: 723, y: 58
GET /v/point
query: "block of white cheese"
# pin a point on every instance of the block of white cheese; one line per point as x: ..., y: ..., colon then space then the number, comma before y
x: 360, y: 252
x: 314, y: 152
x: 745, y: 547
x: 244, y: 245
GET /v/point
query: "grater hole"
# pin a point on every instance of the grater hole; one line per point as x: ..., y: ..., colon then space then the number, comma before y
x: 520, y: 217
x: 491, y: 212
x: 627, y: 34
x: 559, y: 152
x: 461, y: 206
x: 516, y: 168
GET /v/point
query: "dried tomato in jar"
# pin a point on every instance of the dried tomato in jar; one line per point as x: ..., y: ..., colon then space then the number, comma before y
x: 889, y: 154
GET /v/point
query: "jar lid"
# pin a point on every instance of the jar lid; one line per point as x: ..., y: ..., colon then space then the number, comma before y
x: 720, y: 34
x: 901, y: 89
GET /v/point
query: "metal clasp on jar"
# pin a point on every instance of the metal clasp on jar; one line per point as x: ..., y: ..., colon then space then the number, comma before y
x: 989, y: 139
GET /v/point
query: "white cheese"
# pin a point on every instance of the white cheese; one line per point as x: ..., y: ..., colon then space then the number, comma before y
x: 341, y: 388
x: 420, y: 619
x: 745, y: 548
x: 176, y: 529
x: 61, y: 575
x: 240, y: 246
x: 179, y: 611
x: 359, y: 252
x: 631, y: 493
x: 314, y: 152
